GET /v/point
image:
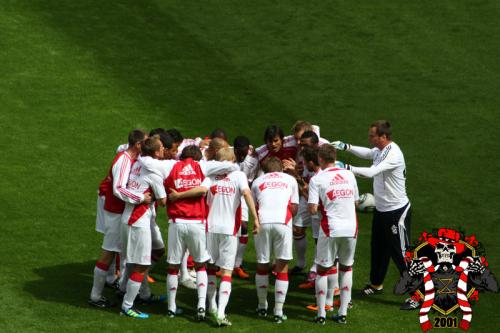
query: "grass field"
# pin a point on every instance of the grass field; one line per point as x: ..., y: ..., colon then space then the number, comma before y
x: 76, y: 76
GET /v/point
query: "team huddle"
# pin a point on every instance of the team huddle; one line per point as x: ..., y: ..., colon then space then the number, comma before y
x: 210, y: 190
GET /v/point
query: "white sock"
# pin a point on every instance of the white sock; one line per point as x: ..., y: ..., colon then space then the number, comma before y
x: 212, y: 291
x: 125, y: 275
x: 333, y: 283
x: 100, y: 272
x: 314, y: 268
x: 133, y: 286
x: 172, y: 285
x: 300, y: 249
x: 110, y: 276
x: 241, y: 251
x: 224, y: 293
x: 262, y: 284
x: 280, y: 290
x: 321, y: 290
x: 202, y: 284
x: 345, y: 279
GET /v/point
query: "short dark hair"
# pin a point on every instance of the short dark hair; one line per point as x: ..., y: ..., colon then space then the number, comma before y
x: 273, y: 131
x: 167, y: 140
x: 135, y: 136
x: 191, y: 151
x: 151, y: 145
x: 155, y: 131
x: 218, y: 133
x: 327, y: 153
x: 310, y: 154
x: 382, y: 127
x: 175, y: 134
x: 241, y: 142
x: 313, y: 136
x: 272, y: 164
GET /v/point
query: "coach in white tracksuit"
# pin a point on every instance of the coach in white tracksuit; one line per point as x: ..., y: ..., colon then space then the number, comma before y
x: 391, y: 219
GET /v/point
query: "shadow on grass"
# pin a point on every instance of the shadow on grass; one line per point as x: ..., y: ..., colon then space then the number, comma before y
x: 71, y: 283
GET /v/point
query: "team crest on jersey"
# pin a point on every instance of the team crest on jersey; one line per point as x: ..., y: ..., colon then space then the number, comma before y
x: 187, y: 171
x: 446, y: 270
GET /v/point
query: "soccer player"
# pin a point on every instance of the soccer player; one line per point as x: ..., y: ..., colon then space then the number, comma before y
x: 249, y: 164
x: 141, y: 236
x: 392, y: 216
x: 277, y: 197
x: 336, y: 192
x: 224, y: 194
x: 116, y: 195
x: 275, y: 145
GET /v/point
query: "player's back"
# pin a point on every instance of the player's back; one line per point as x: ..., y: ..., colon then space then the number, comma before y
x: 224, y: 201
x: 274, y: 193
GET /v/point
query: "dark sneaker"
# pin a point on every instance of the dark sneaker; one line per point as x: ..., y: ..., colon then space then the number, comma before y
x: 280, y: 319
x: 320, y: 320
x: 102, y: 303
x: 339, y: 319
x: 172, y: 314
x: 115, y: 285
x: 296, y: 270
x: 410, y: 304
x: 261, y: 312
x: 133, y: 313
x: 368, y: 290
x: 200, y: 316
x: 153, y: 299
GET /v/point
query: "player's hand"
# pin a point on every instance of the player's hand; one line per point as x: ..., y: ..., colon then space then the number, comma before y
x: 289, y: 164
x: 339, y: 145
x: 173, y: 196
x: 256, y: 227
x: 148, y: 198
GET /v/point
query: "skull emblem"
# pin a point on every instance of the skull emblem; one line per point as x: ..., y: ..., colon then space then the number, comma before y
x: 445, y: 252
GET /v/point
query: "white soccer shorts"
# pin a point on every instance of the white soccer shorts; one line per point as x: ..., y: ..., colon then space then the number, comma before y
x: 156, y: 237
x: 329, y: 248
x: 112, y: 235
x: 222, y: 250
x: 191, y: 236
x: 99, y: 216
x: 303, y: 217
x: 137, y: 244
x: 277, y: 237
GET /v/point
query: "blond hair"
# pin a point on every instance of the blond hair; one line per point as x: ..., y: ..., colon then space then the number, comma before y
x: 225, y: 154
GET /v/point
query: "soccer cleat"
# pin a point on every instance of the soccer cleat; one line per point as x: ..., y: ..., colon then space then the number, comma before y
x: 411, y: 303
x: 240, y: 272
x: 200, y: 315
x: 151, y: 279
x: 314, y: 307
x: 153, y: 299
x: 307, y: 285
x: 114, y: 285
x: 296, y: 270
x: 261, y: 312
x: 369, y: 290
x: 320, y: 320
x: 188, y: 283
x: 133, y: 313
x: 102, y: 303
x: 339, y: 319
x: 172, y: 314
x: 223, y: 322
x: 280, y: 319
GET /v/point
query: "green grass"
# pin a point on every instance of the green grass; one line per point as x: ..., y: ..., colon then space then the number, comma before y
x: 77, y: 76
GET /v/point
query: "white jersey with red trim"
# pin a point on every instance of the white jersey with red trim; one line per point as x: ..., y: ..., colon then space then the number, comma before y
x: 335, y: 191
x: 142, y: 181
x: 273, y: 193
x: 188, y: 142
x: 224, y: 201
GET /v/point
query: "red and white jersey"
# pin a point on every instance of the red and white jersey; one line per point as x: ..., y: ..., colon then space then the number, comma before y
x: 142, y: 181
x: 288, y: 150
x: 117, y: 194
x: 335, y: 191
x: 224, y: 202
x: 250, y: 167
x: 274, y: 193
